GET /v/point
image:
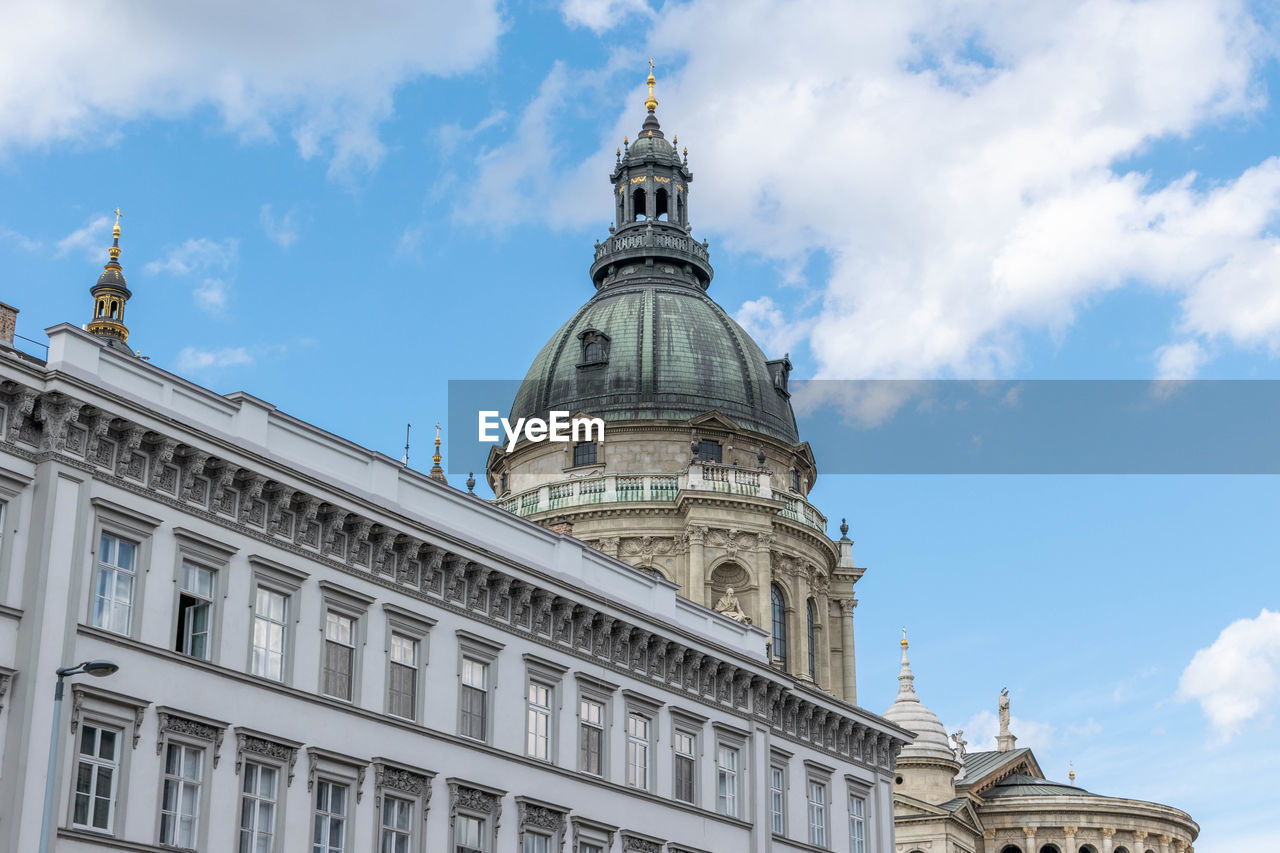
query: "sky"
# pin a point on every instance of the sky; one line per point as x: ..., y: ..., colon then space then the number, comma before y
x: 341, y: 207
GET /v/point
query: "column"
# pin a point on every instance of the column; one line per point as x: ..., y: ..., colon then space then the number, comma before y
x: 824, y: 641
x: 1029, y: 833
x: 989, y: 841
x: 697, y: 590
x: 1069, y: 846
x: 1165, y: 841
x: 799, y: 665
x: 763, y: 614
x: 1139, y: 842
x: 847, y: 659
x: 1107, y: 833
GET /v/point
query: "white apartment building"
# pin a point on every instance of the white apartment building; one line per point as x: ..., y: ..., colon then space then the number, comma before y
x: 323, y: 651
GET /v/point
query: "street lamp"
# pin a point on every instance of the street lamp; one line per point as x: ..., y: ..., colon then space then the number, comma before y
x: 97, y: 668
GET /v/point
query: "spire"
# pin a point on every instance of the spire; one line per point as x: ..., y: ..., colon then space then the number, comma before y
x: 436, y: 472
x: 651, y: 103
x: 110, y: 294
x: 906, y: 678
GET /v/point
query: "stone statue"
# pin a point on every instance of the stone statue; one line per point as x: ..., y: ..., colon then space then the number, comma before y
x: 960, y: 742
x: 729, y: 606
x: 1004, y: 711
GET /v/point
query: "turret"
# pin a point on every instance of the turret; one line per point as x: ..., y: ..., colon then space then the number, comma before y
x: 109, y: 297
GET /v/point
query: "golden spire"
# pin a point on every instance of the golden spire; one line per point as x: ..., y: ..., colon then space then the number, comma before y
x: 1072, y: 774
x: 651, y: 103
x: 904, y: 637
x: 436, y: 472
x: 114, y: 251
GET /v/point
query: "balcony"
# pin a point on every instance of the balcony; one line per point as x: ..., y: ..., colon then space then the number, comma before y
x: 662, y: 488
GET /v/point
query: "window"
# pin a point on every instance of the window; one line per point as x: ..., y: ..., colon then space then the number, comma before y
x: 857, y: 824
x: 538, y: 734
x: 812, y: 618
x: 777, y: 800
x: 778, y: 607
x: 270, y: 623
x: 97, y: 774
x: 180, y: 798
x: 588, y: 847
x: 817, y: 813
x: 113, y: 589
x: 684, y: 773
x: 638, y: 750
x: 396, y: 835
x: 536, y: 842
x: 474, y: 699
x: 727, y: 781
x: 709, y: 450
x: 195, y: 607
x: 402, y: 680
x: 504, y: 484
x: 591, y: 737
x: 330, y: 824
x: 258, y: 807
x: 584, y: 453
x: 339, y: 655
x: 469, y: 833
x: 795, y: 480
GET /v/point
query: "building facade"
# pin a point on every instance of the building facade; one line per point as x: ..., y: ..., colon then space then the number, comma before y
x: 322, y: 649
x: 949, y: 800
x: 702, y: 478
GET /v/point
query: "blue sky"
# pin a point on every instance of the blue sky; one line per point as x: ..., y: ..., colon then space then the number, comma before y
x: 340, y: 210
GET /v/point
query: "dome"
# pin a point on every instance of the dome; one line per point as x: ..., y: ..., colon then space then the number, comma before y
x: 913, y: 715
x: 653, y: 348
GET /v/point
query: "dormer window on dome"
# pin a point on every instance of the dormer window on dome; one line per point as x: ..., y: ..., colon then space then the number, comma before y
x: 595, y: 348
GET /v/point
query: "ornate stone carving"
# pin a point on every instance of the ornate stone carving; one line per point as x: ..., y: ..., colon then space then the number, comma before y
x: 24, y: 403
x: 171, y: 723
x: 533, y: 816
x: 191, y: 466
x: 729, y: 606
x: 5, y: 679
x: 161, y: 478
x: 387, y: 777
x: 250, y: 491
x: 247, y: 744
x: 641, y: 550
x: 639, y: 844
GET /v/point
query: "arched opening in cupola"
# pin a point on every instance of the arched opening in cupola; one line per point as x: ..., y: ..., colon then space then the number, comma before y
x: 638, y: 208
x: 661, y: 206
x: 115, y: 310
x: 679, y: 208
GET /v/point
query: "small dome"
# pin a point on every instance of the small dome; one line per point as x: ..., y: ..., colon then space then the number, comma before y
x: 913, y: 715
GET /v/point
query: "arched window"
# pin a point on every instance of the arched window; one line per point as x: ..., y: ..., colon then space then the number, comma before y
x: 1121, y: 850
x: 661, y: 206
x: 102, y: 307
x: 779, y: 607
x: 812, y: 619
x: 115, y: 307
x: 638, y: 210
x: 679, y: 208
x: 1049, y: 848
x: 1011, y: 848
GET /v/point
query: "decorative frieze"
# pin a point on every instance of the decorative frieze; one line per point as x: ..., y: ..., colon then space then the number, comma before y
x: 251, y: 744
x: 176, y: 723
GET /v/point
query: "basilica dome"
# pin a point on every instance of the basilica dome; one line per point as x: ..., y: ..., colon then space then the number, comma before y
x: 913, y: 715
x: 648, y: 348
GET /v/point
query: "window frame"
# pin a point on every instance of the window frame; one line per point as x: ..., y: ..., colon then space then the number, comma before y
x: 687, y: 724
x: 593, y: 446
x: 778, y: 798
x: 345, y: 603
x: 779, y: 651
x: 258, y: 763
x: 600, y: 692
x: 177, y: 727
x: 285, y: 581
x: 591, y: 832
x: 542, y: 819
x: 863, y: 791
x: 201, y: 817
x: 547, y: 675
x: 398, y: 620
x: 210, y: 555
x: 116, y: 765
x: 818, y: 774
x: 463, y: 799
x: 734, y: 741
x: 104, y: 709
x: 266, y: 750
x: 122, y: 523
x: 485, y: 651
x: 406, y: 783
x: 335, y: 768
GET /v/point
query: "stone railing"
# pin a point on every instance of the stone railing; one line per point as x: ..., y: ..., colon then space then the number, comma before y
x: 661, y: 488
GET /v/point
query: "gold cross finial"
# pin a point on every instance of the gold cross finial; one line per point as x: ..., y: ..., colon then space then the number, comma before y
x: 651, y: 103
x: 115, y: 231
x: 904, y: 636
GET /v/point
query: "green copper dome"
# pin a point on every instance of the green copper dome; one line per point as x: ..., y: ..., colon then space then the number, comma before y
x: 655, y: 350
x: 651, y: 345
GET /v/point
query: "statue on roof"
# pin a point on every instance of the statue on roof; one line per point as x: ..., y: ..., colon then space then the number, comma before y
x: 728, y: 605
x: 961, y: 743
x: 1005, y: 740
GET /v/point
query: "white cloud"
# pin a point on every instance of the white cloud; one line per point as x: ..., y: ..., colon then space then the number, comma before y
x: 1179, y: 361
x: 211, y: 295
x: 323, y: 71
x: 22, y: 241
x: 195, y: 255
x: 767, y: 323
x: 283, y: 231
x: 982, y: 728
x: 192, y: 359
x: 601, y: 15
x: 1237, y: 678
x: 92, y: 238
x: 958, y: 161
